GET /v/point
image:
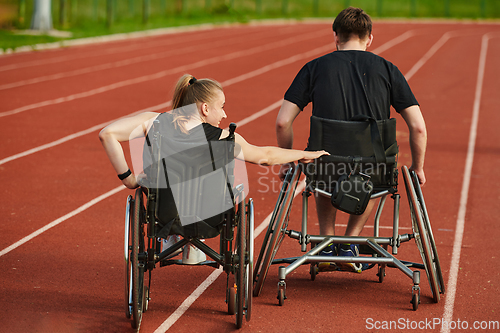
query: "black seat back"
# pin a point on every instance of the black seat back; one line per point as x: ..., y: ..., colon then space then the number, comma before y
x: 373, y: 149
x: 193, y: 184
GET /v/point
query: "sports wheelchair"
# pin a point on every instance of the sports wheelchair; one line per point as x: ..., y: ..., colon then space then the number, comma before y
x: 357, y: 144
x: 165, y: 204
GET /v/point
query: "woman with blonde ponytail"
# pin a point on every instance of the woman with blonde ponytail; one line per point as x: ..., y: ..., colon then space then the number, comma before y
x: 196, y: 102
x: 198, y: 108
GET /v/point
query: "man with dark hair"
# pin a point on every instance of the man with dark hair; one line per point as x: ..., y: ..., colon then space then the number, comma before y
x: 346, y: 83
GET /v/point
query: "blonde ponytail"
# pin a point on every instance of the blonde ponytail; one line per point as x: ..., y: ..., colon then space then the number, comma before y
x: 189, y: 90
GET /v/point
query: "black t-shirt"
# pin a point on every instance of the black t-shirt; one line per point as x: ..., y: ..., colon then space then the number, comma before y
x: 343, y: 84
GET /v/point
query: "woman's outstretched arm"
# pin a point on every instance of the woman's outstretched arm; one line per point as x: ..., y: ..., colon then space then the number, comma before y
x: 273, y: 155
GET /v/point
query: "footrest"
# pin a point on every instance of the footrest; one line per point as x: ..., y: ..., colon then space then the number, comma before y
x: 179, y: 262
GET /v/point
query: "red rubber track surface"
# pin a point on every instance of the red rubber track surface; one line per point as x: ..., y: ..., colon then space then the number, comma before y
x: 69, y: 278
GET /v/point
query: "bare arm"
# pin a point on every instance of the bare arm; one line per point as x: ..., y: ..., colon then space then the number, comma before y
x: 124, y: 130
x: 272, y: 155
x: 418, y: 139
x: 284, y: 130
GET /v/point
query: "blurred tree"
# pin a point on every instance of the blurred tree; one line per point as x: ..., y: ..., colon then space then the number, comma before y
x: 42, y: 16
x: 22, y: 10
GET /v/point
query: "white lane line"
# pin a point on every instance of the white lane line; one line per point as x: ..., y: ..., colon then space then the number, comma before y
x: 395, y: 41
x: 107, y: 38
x: 143, y: 44
x: 259, y: 114
x: 161, y: 74
x: 96, y: 200
x: 446, y: 36
x: 167, y: 104
x: 98, y: 51
x: 428, y: 55
x: 212, y: 277
x: 464, y: 194
x: 148, y: 57
x: 226, y: 83
x: 61, y: 219
x: 79, y: 134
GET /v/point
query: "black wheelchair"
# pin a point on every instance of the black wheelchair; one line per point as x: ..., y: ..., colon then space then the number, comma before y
x: 165, y: 204
x: 370, y: 147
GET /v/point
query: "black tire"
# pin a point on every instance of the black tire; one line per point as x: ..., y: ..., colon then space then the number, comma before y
x: 281, y: 297
x: 137, y: 266
x: 145, y: 298
x: 415, y: 301
x: 313, y: 271
x: 381, y: 273
x: 277, y: 226
x: 249, y: 261
x: 269, y: 230
x: 231, y: 302
x: 241, y: 269
x: 129, y: 216
x: 427, y: 225
x: 421, y: 235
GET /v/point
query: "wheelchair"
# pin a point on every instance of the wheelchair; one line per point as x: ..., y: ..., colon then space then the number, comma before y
x: 154, y: 213
x: 355, y: 144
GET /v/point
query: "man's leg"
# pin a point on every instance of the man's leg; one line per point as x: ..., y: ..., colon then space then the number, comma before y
x: 326, y: 219
x: 326, y: 215
x: 357, y: 222
x: 354, y: 228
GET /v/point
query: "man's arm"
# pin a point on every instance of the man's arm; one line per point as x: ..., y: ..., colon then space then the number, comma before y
x: 284, y: 129
x: 284, y: 122
x: 418, y: 139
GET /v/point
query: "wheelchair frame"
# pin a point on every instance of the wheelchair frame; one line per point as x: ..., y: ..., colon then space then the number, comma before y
x: 143, y: 250
x: 376, y: 245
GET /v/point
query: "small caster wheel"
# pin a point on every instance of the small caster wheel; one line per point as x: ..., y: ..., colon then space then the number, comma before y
x: 281, y: 297
x: 313, y: 270
x: 381, y: 273
x: 415, y: 301
x: 145, y: 295
x: 231, y: 302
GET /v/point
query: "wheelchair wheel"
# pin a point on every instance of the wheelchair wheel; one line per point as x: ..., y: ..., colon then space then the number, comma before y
x: 244, y: 272
x: 421, y: 235
x: 250, y: 254
x: 231, y: 302
x: 427, y: 225
x: 137, y: 280
x: 277, y: 227
x: 241, y: 268
x: 128, y: 249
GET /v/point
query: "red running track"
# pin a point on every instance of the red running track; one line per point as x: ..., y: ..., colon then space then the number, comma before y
x: 61, y: 250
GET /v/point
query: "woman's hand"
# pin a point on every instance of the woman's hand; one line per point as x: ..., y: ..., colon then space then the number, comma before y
x: 309, y: 156
x: 131, y: 182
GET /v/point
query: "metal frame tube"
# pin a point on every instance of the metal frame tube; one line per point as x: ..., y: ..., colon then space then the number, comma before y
x: 305, y: 198
x: 395, y: 228
x: 376, y: 224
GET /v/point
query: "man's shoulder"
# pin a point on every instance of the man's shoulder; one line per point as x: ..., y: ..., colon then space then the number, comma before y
x: 349, y: 55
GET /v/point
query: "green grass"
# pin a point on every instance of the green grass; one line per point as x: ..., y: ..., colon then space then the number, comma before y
x: 8, y: 40
x: 86, y: 18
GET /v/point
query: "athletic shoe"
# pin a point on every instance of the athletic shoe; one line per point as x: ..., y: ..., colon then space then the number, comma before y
x: 169, y: 242
x: 349, y: 250
x: 329, y: 251
x: 192, y: 255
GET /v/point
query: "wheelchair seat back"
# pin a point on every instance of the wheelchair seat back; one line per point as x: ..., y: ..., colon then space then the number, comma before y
x: 193, y: 184
x: 356, y: 143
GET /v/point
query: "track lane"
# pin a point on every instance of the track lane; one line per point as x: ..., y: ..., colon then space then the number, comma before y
x: 324, y: 289
x: 91, y: 115
x: 71, y: 153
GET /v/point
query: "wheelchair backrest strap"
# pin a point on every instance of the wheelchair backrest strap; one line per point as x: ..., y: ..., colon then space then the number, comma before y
x: 378, y: 147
